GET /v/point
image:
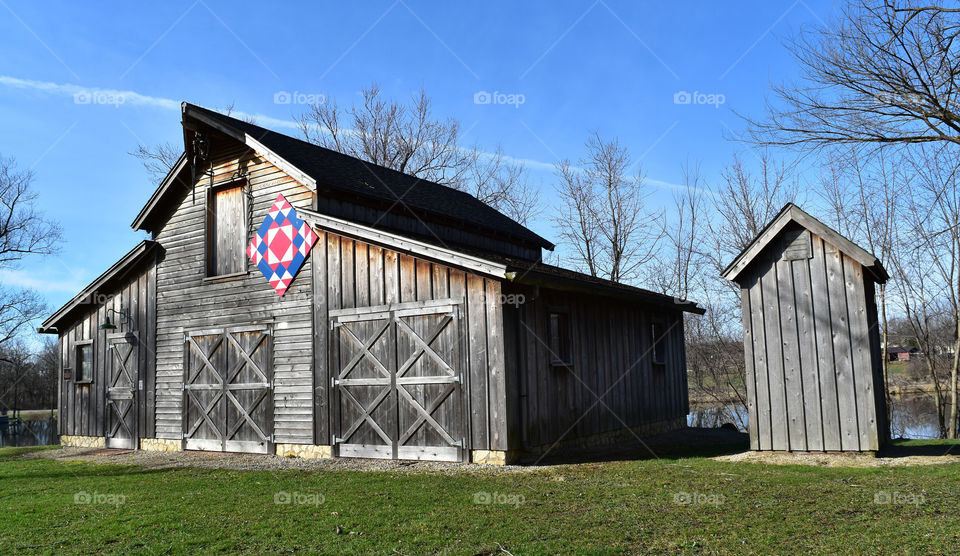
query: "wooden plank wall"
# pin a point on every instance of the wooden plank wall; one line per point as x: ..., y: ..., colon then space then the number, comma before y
x: 187, y: 301
x: 812, y: 348
x: 82, y: 406
x: 348, y: 273
x: 612, y: 382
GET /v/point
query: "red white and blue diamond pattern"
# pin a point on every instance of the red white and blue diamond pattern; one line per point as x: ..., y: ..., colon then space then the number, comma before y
x: 281, y: 245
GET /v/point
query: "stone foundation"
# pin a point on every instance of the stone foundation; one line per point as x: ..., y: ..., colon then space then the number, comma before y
x: 83, y: 441
x: 304, y: 451
x: 160, y: 445
x: 490, y: 457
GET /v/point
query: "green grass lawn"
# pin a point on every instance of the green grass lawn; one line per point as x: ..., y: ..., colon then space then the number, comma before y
x: 625, y: 506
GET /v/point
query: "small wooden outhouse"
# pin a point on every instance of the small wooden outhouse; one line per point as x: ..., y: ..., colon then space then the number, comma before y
x: 811, y: 340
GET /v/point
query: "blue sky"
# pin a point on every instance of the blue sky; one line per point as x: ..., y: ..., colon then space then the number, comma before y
x: 609, y: 66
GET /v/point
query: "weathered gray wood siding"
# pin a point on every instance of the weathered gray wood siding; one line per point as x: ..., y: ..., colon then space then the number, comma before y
x: 812, y: 345
x: 349, y: 273
x: 612, y: 383
x: 82, y: 406
x: 186, y: 300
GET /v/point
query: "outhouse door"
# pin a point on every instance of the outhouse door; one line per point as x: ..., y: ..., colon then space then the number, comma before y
x: 398, y: 382
x: 228, y: 390
x: 120, y: 424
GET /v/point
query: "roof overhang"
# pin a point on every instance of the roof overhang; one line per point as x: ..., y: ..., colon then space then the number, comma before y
x: 88, y: 295
x: 254, y: 144
x: 173, y: 177
x: 405, y: 244
x: 792, y: 213
x: 533, y: 277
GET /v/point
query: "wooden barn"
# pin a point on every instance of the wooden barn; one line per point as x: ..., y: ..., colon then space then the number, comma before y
x: 811, y: 339
x: 406, y: 320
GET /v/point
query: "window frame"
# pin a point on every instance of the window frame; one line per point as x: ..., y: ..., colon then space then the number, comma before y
x: 86, y: 377
x: 658, y: 329
x: 560, y: 356
x: 209, y: 226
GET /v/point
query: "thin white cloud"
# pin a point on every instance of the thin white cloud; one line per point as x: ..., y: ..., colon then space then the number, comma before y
x: 35, y: 281
x: 116, y: 97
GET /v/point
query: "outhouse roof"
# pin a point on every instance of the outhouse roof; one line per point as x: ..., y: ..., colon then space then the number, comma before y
x: 792, y: 213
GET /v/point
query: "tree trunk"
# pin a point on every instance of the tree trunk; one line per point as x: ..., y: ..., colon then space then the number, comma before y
x: 883, y: 354
x: 937, y: 393
x: 952, y: 433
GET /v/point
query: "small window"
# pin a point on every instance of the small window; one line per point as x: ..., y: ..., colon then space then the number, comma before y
x: 83, y: 370
x: 559, y: 340
x: 226, y: 230
x: 658, y: 336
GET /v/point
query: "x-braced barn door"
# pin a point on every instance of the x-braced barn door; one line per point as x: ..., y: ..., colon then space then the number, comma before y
x: 398, y: 382
x: 120, y: 423
x: 228, y: 390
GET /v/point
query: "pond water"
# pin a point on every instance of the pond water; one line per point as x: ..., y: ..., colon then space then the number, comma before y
x: 910, y: 417
x: 36, y: 432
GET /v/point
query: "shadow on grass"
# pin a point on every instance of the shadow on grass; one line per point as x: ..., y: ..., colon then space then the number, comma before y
x: 905, y: 448
x: 685, y: 443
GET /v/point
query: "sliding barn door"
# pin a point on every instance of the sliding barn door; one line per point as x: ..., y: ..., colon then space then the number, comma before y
x: 398, y: 386
x: 120, y: 421
x: 228, y: 390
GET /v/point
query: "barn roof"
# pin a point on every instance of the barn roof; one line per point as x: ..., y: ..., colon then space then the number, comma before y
x: 792, y: 213
x: 103, y: 283
x: 539, y: 273
x: 325, y: 168
x: 516, y: 270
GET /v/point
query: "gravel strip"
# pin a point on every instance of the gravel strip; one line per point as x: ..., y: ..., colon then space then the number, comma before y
x: 838, y: 459
x: 263, y: 462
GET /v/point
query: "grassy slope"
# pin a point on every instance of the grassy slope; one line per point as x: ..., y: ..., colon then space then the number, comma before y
x: 587, y: 508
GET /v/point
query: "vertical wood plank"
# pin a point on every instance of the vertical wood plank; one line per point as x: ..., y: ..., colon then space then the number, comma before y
x: 377, y: 275
x: 391, y: 277
x: 846, y: 389
x: 764, y: 422
x: 823, y: 329
x: 751, y: 373
x: 792, y: 365
x: 476, y: 322
x: 807, y: 338
x: 497, y: 408
x: 778, y: 402
x: 862, y: 364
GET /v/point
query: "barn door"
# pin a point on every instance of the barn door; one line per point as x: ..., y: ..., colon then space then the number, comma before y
x: 228, y: 390
x: 121, y: 391
x: 398, y: 382
x: 429, y: 385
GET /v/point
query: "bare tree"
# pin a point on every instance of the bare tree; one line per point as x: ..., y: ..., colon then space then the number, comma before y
x: 745, y: 202
x: 158, y: 159
x: 882, y: 73
x: 863, y: 199
x: 604, y: 213
x: 681, y: 261
x: 408, y: 138
x: 934, y: 237
x: 709, y: 239
x: 23, y: 232
x: 577, y: 226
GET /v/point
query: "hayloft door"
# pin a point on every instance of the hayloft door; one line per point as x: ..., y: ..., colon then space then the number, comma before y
x: 121, y: 396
